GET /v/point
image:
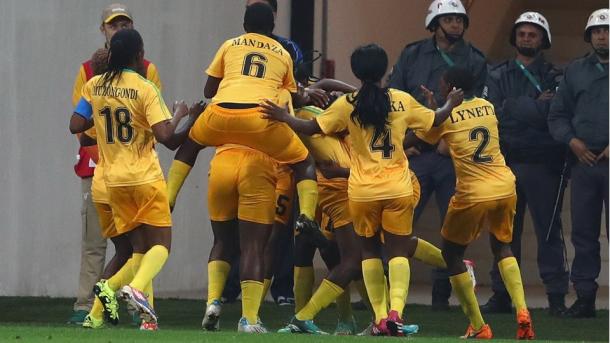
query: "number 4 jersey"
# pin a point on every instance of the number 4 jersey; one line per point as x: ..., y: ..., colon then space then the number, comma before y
x: 252, y: 67
x: 472, y: 135
x: 379, y: 166
x: 123, y: 114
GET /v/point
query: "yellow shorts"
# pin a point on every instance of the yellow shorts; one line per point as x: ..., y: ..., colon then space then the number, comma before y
x: 393, y: 215
x: 464, y: 221
x: 133, y: 206
x: 104, y: 214
x: 284, y: 194
x: 99, y: 193
x: 217, y: 126
x: 241, y: 184
x: 333, y: 200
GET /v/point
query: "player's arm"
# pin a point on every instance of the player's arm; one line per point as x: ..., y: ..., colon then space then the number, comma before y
x: 333, y: 85
x: 81, y: 118
x: 411, y: 140
x: 331, y: 170
x: 211, y: 87
x: 275, y: 112
x: 454, y: 98
x: 165, y: 131
x: 85, y: 140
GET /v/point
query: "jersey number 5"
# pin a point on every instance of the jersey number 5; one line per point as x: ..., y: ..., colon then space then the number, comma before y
x: 474, y: 136
x: 382, y: 141
x: 254, y: 65
x: 122, y: 119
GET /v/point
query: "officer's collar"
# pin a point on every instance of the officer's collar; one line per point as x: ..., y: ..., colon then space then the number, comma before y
x: 534, y: 66
x: 460, y: 47
x: 592, y: 58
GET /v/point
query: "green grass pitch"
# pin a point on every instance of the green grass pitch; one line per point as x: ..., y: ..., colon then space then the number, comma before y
x: 43, y: 320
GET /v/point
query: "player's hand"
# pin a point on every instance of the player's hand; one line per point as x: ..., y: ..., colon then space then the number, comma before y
x: 412, y: 151
x: 546, y: 95
x: 274, y: 112
x: 196, y: 109
x: 584, y: 155
x: 429, y: 95
x: 455, y: 97
x: 180, y: 109
x: 317, y: 97
x: 602, y: 156
x: 331, y: 170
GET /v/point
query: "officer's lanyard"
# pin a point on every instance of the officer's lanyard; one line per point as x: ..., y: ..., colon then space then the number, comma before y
x: 600, y: 67
x: 529, y: 75
x: 445, y: 57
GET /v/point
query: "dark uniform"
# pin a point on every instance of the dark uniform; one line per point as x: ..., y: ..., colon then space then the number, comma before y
x: 536, y: 159
x: 580, y: 110
x: 421, y: 63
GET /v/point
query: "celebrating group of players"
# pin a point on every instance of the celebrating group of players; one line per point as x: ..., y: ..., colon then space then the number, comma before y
x: 346, y: 159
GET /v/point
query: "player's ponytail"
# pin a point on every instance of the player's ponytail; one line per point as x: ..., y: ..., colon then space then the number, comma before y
x: 125, y: 46
x: 371, y: 103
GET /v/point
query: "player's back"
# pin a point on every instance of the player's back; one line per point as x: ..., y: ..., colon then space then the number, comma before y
x: 124, y: 113
x: 253, y: 67
x: 471, y: 131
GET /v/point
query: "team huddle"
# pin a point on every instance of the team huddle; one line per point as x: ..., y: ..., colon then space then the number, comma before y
x: 339, y: 147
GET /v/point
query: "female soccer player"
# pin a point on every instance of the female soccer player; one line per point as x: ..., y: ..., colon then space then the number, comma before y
x: 129, y: 114
x: 380, y: 190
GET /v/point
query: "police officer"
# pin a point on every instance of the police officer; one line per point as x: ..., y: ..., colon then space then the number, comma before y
x: 521, y: 90
x: 421, y: 64
x: 579, y: 118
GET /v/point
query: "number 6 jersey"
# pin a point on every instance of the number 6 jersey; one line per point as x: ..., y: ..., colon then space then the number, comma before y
x: 123, y: 114
x: 253, y: 67
x: 379, y: 166
x: 471, y: 131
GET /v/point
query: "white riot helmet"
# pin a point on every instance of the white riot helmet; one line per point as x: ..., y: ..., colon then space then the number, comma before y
x: 445, y: 7
x: 597, y: 18
x: 534, y: 18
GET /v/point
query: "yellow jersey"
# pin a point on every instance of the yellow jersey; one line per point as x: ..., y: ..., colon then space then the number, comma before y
x: 323, y: 147
x: 379, y: 167
x: 253, y: 67
x: 471, y: 131
x: 123, y: 115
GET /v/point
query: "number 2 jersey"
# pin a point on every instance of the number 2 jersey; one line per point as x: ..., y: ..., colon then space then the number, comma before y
x: 471, y: 131
x: 123, y: 115
x: 379, y: 166
x: 253, y: 67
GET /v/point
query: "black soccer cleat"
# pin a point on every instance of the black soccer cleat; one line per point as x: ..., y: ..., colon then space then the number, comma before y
x: 311, y: 230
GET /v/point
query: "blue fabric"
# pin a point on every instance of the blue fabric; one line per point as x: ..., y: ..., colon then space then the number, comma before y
x: 292, y: 47
x: 84, y: 109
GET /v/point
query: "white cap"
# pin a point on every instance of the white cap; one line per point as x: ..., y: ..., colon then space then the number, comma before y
x: 597, y: 18
x: 536, y: 19
x: 443, y: 7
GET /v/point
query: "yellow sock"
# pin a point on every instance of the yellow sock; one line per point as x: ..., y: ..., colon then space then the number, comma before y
x: 218, y: 272
x: 344, y: 306
x: 151, y: 265
x: 303, y: 286
x: 429, y: 254
x: 462, y: 286
x: 123, y: 276
x: 251, y: 292
x: 97, y: 310
x: 148, y: 290
x: 308, y: 197
x: 400, y: 274
x: 178, y: 172
x: 511, y: 275
x: 324, y: 295
x: 374, y: 280
x: 359, y: 284
x: 266, y: 285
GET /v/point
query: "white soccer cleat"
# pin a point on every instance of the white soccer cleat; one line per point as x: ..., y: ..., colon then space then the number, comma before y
x: 211, y: 319
x: 245, y: 327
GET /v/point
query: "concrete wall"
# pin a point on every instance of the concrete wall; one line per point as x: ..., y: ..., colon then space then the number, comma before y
x: 43, y: 43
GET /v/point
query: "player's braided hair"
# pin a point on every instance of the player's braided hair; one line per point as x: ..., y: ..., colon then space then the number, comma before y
x: 125, y: 46
x: 371, y: 103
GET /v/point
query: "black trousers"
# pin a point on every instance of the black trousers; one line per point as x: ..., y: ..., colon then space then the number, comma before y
x: 589, y: 193
x: 537, y: 187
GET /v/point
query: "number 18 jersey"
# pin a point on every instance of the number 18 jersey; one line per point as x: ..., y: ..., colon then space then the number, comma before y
x: 123, y: 114
x: 379, y: 166
x: 253, y: 67
x: 471, y: 131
